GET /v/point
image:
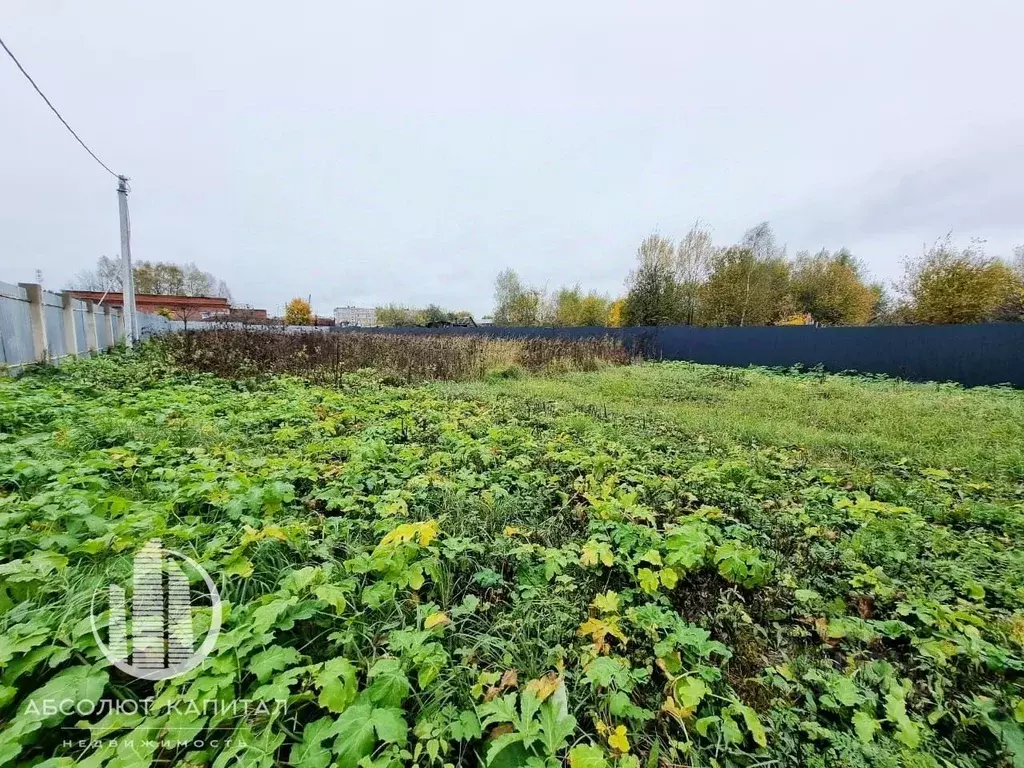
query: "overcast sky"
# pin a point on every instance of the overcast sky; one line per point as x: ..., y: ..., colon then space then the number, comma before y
x: 366, y: 153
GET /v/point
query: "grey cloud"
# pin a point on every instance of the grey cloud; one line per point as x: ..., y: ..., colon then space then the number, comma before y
x: 974, y: 188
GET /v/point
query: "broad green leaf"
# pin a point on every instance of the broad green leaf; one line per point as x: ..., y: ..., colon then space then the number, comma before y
x: 865, y: 726
x: 75, y: 685
x: 556, y: 724
x: 113, y: 721
x: 337, y: 683
x: 467, y: 727
x: 267, y: 616
x: 355, y: 735
x: 507, y: 751
x: 390, y: 726
x: 605, y: 670
x: 388, y: 684
x: 298, y: 580
x: 183, y: 726
x: 844, y: 690
x: 274, y: 659
x: 753, y: 724
x: 309, y: 753
x: 731, y: 730
x: 587, y: 756
x: 687, y: 546
x: 236, y: 566
x: 333, y: 595
x: 690, y: 691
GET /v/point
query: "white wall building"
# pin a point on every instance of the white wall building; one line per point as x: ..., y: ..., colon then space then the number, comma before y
x: 365, y: 317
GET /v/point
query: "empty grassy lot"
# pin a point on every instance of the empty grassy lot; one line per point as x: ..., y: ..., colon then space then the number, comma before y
x: 657, y: 566
x: 831, y: 418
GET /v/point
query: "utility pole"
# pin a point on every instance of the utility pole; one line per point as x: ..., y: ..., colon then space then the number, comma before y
x: 131, y: 327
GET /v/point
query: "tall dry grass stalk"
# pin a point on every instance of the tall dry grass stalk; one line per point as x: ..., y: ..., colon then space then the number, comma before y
x: 323, y: 357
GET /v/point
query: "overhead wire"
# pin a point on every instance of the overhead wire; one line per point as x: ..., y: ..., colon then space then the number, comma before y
x: 54, y: 110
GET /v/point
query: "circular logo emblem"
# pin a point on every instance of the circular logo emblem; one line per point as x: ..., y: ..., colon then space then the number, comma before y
x: 160, y: 622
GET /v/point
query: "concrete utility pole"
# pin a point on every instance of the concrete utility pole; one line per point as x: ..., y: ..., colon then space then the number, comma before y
x: 131, y: 325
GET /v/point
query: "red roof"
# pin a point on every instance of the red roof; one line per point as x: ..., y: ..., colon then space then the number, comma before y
x: 156, y: 300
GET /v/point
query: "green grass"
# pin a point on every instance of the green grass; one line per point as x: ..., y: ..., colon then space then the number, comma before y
x: 832, y: 418
x: 650, y: 566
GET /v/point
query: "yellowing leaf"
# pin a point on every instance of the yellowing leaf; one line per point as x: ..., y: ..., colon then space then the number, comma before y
x: 483, y: 680
x: 595, y: 552
x: 651, y: 556
x: 599, y: 630
x: 648, y: 580
x: 669, y: 578
x: 618, y: 740
x: 406, y: 533
x: 274, y: 532
x: 436, y: 620
x: 607, y: 603
x: 428, y: 532
x: 543, y: 687
x: 672, y: 707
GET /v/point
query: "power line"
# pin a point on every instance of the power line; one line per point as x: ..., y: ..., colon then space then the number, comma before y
x: 29, y: 78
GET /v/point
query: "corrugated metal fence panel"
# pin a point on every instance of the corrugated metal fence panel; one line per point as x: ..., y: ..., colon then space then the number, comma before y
x: 53, y: 316
x: 973, y: 355
x: 80, y: 337
x: 150, y: 324
x: 970, y: 354
x: 102, y: 331
x: 15, y: 325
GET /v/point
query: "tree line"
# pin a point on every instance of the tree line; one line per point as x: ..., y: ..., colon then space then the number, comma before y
x: 399, y: 315
x: 162, y: 278
x: 755, y: 282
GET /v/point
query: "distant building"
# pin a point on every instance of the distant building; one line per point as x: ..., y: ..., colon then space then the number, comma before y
x: 179, y: 307
x: 243, y: 315
x: 364, y: 317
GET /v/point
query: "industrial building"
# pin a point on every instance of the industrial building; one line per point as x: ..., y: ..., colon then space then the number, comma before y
x: 363, y: 317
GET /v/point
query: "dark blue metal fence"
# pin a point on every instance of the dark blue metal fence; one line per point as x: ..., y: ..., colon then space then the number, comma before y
x: 972, y: 355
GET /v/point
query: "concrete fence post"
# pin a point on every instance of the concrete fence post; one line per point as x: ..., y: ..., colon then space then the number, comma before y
x: 67, y: 302
x: 37, y: 319
x: 91, y: 344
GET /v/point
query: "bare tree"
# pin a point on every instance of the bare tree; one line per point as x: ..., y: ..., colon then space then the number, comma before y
x: 156, y: 277
x: 693, y: 261
x: 105, y: 277
x: 760, y: 241
x: 184, y: 311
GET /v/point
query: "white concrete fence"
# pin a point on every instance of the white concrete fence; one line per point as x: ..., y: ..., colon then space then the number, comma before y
x: 40, y: 326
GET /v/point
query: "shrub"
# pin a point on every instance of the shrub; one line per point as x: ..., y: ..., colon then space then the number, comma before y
x: 323, y: 357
